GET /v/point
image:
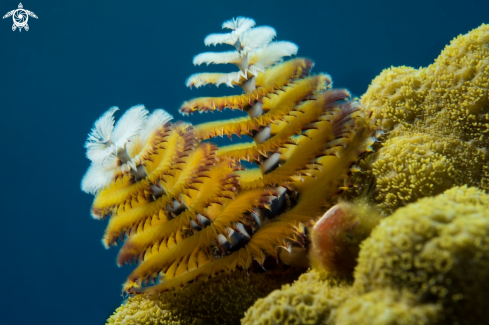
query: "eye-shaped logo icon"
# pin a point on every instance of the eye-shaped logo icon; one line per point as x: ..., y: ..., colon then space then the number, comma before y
x: 20, y: 17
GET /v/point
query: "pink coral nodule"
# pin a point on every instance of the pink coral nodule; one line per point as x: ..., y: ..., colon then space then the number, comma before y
x: 336, y: 237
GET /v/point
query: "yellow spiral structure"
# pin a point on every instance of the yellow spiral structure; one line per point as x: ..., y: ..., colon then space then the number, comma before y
x: 186, y: 209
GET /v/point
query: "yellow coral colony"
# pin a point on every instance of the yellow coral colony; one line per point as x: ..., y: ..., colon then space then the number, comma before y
x: 425, y: 264
x: 438, y: 118
x: 312, y: 299
x: 221, y: 300
x: 437, y: 249
x: 186, y: 209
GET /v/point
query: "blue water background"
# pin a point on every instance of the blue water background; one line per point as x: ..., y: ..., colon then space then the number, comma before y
x: 82, y: 57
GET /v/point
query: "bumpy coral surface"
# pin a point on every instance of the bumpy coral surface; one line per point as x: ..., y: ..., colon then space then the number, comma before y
x: 312, y: 299
x: 386, y: 307
x: 425, y: 264
x: 452, y: 93
x: 221, y: 300
x: 418, y: 164
x: 438, y: 249
x: 437, y: 120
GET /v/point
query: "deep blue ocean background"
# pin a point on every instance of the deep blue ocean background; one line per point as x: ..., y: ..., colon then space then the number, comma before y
x: 81, y: 57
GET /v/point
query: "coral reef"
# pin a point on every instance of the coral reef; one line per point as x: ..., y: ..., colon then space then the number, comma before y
x: 186, y: 209
x: 425, y: 264
x: 438, y: 249
x: 437, y: 119
x: 312, y: 299
x: 386, y: 307
x: 221, y: 300
x: 192, y: 216
x: 450, y: 95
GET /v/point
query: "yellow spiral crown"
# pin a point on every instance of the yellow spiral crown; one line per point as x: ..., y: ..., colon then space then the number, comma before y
x: 186, y: 209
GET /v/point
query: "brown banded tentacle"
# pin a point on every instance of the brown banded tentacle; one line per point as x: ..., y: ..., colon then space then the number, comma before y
x: 233, y: 212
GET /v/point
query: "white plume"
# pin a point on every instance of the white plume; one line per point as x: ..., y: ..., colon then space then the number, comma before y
x: 157, y: 119
x: 229, y: 78
x: 257, y: 37
x: 273, y: 53
x: 99, y: 139
x: 214, y: 39
x: 239, y: 24
x: 218, y: 58
x: 255, y: 52
x: 201, y: 79
x: 102, y: 128
x: 105, y: 142
x: 129, y: 125
x: 98, y: 176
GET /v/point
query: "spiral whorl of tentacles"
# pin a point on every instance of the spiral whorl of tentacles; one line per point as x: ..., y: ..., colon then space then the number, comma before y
x: 186, y: 209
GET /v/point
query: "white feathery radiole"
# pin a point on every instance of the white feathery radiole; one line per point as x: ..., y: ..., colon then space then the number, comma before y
x: 158, y: 118
x: 258, y: 37
x: 238, y: 25
x: 274, y: 53
x: 111, y: 149
x: 254, y: 52
x: 102, y: 128
x: 218, y: 58
x: 129, y: 126
x: 105, y: 140
x: 98, y: 176
x: 201, y: 79
x: 99, y: 139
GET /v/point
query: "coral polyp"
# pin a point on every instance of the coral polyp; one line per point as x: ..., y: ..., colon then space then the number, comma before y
x: 221, y: 300
x: 187, y: 209
x: 437, y: 119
